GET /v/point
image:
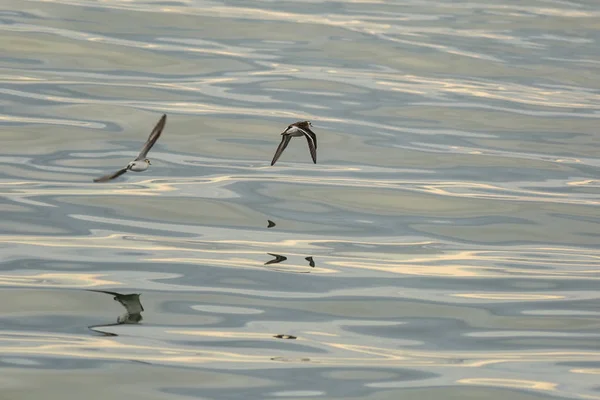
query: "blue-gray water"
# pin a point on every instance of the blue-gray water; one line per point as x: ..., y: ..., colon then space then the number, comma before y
x: 452, y: 216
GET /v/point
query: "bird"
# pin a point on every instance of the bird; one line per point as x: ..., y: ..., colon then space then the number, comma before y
x: 300, y: 128
x: 140, y: 163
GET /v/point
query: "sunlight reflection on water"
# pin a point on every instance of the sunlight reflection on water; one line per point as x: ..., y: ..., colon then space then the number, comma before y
x: 444, y: 246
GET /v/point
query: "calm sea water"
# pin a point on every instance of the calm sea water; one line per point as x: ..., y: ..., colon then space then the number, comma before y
x: 452, y: 218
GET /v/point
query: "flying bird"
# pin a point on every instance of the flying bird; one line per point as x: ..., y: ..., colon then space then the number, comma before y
x: 140, y: 163
x: 300, y: 128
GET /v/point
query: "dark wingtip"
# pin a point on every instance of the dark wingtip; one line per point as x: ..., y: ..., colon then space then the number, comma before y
x: 162, y: 121
x: 271, y: 223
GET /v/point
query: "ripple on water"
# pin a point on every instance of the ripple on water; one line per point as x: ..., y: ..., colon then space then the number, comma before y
x: 444, y: 245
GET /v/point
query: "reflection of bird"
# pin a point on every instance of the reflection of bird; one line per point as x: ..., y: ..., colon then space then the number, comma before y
x: 271, y: 223
x: 140, y: 163
x: 280, y: 336
x: 278, y: 258
x: 132, y: 304
x: 286, y: 359
x: 300, y: 128
x: 311, y: 262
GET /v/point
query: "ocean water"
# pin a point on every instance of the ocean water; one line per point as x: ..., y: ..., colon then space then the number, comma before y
x: 445, y: 245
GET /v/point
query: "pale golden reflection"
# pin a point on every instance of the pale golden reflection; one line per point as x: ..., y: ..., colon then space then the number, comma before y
x: 511, y: 92
x: 502, y: 153
x: 87, y: 347
x: 432, y: 87
x: 40, y: 344
x: 222, y: 334
x: 241, y: 263
x: 449, y: 264
x: 591, y: 371
x: 511, y: 383
x: 585, y: 182
x: 421, y: 270
x: 509, y: 296
x: 382, y: 353
x: 322, y: 333
x: 20, y: 79
x: 155, y: 187
x: 122, y: 42
x: 149, y: 242
x: 455, y: 263
x: 56, y: 279
x: 50, y: 121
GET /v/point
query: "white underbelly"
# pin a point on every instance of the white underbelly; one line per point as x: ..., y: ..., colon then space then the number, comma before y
x: 138, y: 166
x: 294, y: 132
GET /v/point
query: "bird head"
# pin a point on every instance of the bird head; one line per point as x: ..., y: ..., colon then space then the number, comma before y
x: 147, y: 161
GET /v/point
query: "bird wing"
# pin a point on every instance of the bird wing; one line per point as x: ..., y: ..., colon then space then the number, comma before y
x: 114, y: 175
x: 154, y: 135
x: 309, y: 132
x: 131, y: 302
x: 104, y: 291
x: 311, y: 138
x: 285, y: 140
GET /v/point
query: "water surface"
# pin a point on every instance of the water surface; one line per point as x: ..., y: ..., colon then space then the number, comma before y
x: 451, y: 218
